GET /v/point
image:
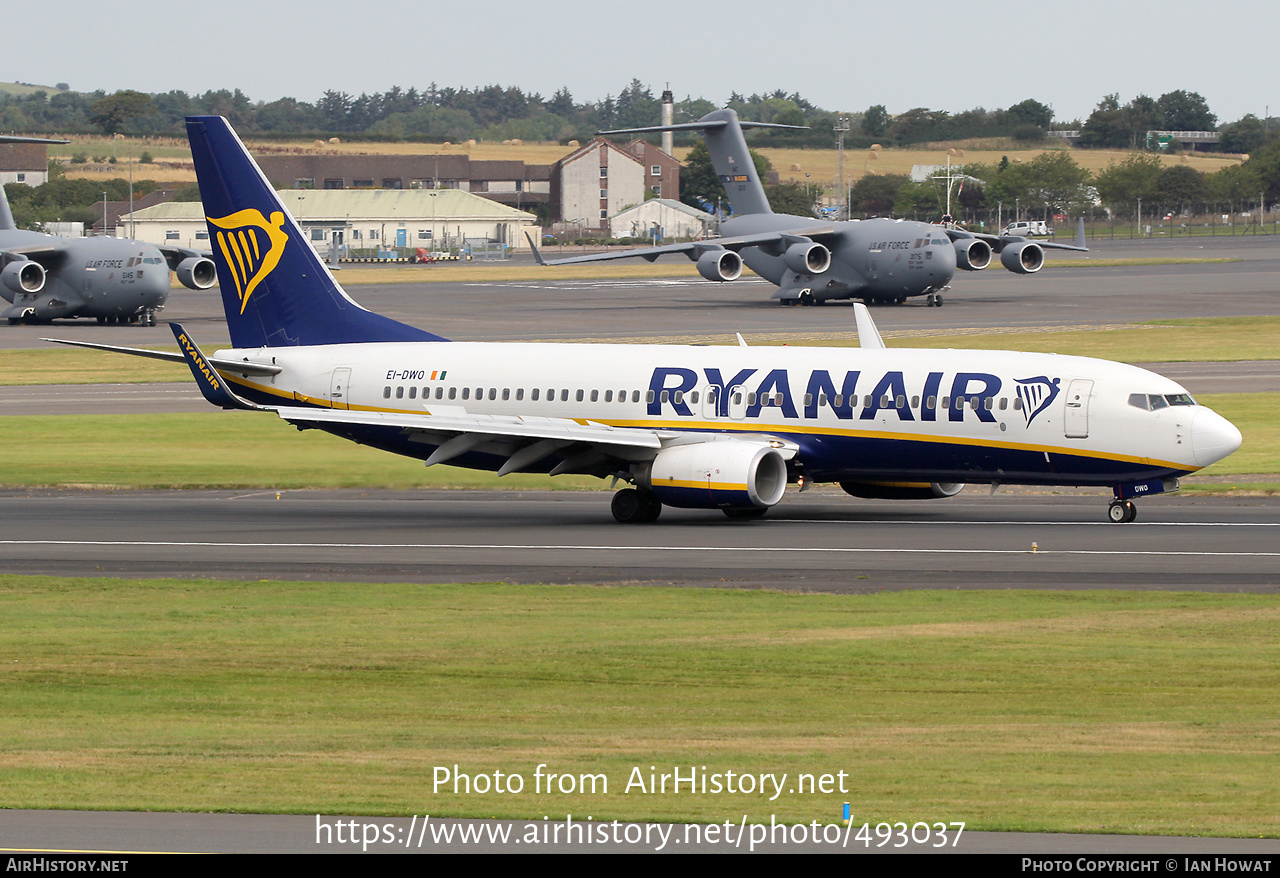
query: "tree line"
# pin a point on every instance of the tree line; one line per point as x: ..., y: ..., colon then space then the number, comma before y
x: 495, y: 112
x: 1053, y: 183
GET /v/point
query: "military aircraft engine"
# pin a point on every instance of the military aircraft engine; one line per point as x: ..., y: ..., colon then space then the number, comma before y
x: 21, y: 276
x: 720, y: 265
x: 197, y: 273
x: 972, y: 254
x: 1024, y: 258
x: 902, y: 490
x: 807, y: 258
x: 719, y: 474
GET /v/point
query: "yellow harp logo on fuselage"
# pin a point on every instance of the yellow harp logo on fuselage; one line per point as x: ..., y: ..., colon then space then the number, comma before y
x: 251, y: 246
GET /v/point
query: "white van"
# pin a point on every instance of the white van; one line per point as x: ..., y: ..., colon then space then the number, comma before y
x: 1026, y: 230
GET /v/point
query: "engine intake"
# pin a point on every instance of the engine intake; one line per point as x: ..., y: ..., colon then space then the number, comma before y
x: 197, y: 273
x: 717, y: 474
x: 972, y: 254
x: 1024, y: 258
x: 21, y: 276
x: 720, y: 265
x: 902, y: 490
x: 810, y: 258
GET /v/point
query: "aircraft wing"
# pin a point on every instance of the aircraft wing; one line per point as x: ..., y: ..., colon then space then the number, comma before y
x: 694, y: 249
x: 47, y: 254
x: 174, y: 255
x: 999, y: 242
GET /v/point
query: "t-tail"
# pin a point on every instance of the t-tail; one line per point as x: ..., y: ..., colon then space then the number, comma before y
x: 722, y: 131
x: 275, y: 289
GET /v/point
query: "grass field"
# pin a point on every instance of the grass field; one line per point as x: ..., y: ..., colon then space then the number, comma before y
x: 791, y: 164
x: 1109, y: 712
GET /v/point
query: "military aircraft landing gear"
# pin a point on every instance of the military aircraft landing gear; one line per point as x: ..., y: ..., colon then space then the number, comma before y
x: 1122, y: 511
x: 631, y: 506
x: 147, y: 318
x: 934, y: 300
x: 806, y: 298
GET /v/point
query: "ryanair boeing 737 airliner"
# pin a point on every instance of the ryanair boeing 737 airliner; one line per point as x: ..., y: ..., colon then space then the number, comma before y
x: 697, y: 427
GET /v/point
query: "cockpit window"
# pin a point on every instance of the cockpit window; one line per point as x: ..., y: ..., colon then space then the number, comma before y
x: 1153, y: 402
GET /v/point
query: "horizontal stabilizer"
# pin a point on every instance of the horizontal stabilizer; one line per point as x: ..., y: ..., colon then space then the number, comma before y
x: 243, y: 367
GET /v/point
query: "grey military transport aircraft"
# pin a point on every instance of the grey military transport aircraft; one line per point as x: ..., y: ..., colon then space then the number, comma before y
x: 116, y: 280
x: 812, y: 261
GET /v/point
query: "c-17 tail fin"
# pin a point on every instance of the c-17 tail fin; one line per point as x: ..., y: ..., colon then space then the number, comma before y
x: 722, y: 131
x: 275, y: 289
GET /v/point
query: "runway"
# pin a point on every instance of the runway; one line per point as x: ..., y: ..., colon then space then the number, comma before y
x: 819, y: 541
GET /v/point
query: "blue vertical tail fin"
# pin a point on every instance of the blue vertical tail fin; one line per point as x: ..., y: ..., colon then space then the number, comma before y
x: 275, y: 289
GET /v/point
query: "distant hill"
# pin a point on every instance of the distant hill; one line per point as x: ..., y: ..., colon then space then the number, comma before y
x: 22, y: 89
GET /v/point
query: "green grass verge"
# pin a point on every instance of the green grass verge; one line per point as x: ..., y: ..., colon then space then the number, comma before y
x: 1150, y: 713
x: 65, y: 365
x: 222, y: 450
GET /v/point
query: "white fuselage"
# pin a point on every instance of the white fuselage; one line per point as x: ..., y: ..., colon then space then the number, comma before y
x: 854, y: 413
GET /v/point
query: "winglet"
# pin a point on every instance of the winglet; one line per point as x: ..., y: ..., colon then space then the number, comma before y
x: 868, y: 335
x: 534, y: 247
x: 211, y: 384
x: 1080, y: 234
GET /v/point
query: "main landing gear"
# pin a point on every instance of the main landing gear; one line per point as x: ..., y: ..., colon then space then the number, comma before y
x: 1122, y: 511
x: 631, y: 506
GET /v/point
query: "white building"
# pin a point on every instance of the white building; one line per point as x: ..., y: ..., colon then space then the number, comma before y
x: 663, y: 217
x: 370, y: 219
x: 594, y: 182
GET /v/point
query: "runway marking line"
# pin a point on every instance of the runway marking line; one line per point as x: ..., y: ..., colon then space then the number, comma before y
x: 848, y: 550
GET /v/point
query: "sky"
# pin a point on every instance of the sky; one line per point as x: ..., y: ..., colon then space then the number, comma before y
x: 840, y: 56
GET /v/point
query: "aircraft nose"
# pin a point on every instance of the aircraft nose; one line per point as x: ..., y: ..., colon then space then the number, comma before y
x: 1213, y: 437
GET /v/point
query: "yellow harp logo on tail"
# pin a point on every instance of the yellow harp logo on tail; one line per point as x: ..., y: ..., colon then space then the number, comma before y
x: 251, y: 245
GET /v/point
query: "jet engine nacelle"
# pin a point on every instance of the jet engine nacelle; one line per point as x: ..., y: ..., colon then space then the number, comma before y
x: 972, y: 254
x: 1024, y: 258
x: 720, y: 265
x: 902, y: 490
x: 21, y: 276
x: 718, y: 474
x: 197, y: 273
x: 807, y: 258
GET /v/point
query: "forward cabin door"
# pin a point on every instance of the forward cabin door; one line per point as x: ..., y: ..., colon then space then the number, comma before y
x: 1076, y: 422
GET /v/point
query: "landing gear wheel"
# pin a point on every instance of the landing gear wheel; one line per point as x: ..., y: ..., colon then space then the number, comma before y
x: 937, y: 300
x: 652, y: 507
x: 753, y: 512
x: 630, y: 506
x: 806, y: 298
x: 1122, y: 511
x: 102, y: 321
